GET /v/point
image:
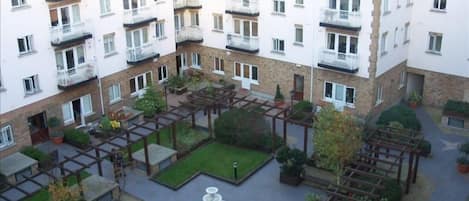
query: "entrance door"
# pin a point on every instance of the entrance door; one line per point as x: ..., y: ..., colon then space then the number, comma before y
x: 77, y: 115
x: 181, y: 63
x: 298, y: 86
x: 246, y: 80
x: 37, y: 128
x: 414, y: 84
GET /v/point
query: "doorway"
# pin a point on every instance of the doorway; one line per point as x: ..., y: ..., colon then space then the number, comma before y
x: 298, y: 87
x: 76, y: 106
x: 414, y: 84
x: 181, y: 63
x: 38, y: 128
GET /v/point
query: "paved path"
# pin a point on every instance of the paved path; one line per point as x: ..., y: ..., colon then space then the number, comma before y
x: 441, y: 168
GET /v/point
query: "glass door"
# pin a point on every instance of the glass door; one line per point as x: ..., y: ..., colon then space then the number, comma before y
x: 344, y: 9
x: 342, y: 50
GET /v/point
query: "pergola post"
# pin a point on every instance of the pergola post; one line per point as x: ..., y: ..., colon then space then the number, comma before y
x: 305, y: 143
x: 129, y: 146
x: 173, y: 134
x: 399, y: 170
x: 416, y: 167
x: 158, y: 137
x: 285, y: 127
x: 209, y: 122
x: 193, y: 119
x: 147, y: 158
x: 273, y: 134
x: 100, y: 168
x: 409, y: 172
x: 156, y: 123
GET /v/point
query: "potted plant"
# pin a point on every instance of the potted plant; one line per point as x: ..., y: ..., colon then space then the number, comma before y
x: 463, y: 161
x: 292, y: 162
x: 56, y: 136
x: 414, y: 99
x: 279, y: 98
x: 177, y: 84
x: 425, y: 148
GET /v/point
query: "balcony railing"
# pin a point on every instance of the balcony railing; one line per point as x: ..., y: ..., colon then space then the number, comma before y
x: 242, y: 43
x: 70, y: 77
x: 242, y: 7
x: 181, y: 4
x: 143, y: 53
x: 341, y: 19
x: 339, y: 61
x: 189, y: 34
x: 69, y: 33
x: 138, y: 16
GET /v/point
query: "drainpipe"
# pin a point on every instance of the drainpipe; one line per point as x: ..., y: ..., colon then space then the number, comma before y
x: 100, y: 88
x: 311, y: 81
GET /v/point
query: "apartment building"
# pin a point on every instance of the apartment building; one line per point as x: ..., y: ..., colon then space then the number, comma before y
x: 79, y: 59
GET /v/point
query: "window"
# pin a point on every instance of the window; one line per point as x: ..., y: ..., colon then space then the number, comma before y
x: 402, y: 79
x: 386, y: 7
x: 114, y: 93
x: 299, y: 2
x: 134, y: 4
x: 398, y: 3
x: 218, y: 22
x: 162, y: 73
x: 105, y: 6
x: 383, y: 47
x: 139, y: 83
x: 339, y: 43
x: 279, y: 6
x: 406, y: 33
x: 64, y: 17
x: 83, y: 106
x: 6, y: 136
x: 109, y: 44
x: 439, y: 4
x: 246, y: 71
x: 69, y: 59
x: 18, y: 3
x: 434, y: 44
x: 219, y: 65
x: 339, y: 93
x: 396, y: 36
x: 194, y: 18
x: 379, y: 94
x: 409, y: 2
x: 455, y: 122
x: 160, y: 30
x: 25, y: 44
x: 245, y: 28
x: 196, y: 61
x: 278, y: 45
x: 31, y: 85
x: 299, y: 34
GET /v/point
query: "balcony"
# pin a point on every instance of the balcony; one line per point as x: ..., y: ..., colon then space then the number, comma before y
x: 187, y: 4
x: 138, y: 16
x: 339, y: 61
x: 242, y: 43
x: 242, y: 7
x: 142, y: 54
x: 333, y: 18
x: 69, y: 78
x: 71, y: 33
x: 192, y: 34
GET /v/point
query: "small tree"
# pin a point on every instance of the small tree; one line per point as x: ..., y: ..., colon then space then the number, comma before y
x: 337, y: 138
x: 58, y: 191
x: 291, y: 160
x: 278, y: 94
x: 151, y: 103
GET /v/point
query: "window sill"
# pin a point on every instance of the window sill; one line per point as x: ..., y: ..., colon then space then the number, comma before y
x: 378, y: 103
x: 299, y: 5
x: 395, y: 45
x: 197, y: 67
x: 22, y: 7
x: 384, y: 53
x: 115, y: 101
x: 437, y: 10
x: 110, y: 54
x: 349, y: 105
x: 162, y: 81
x: 162, y: 38
x: 160, y: 2
x: 107, y: 14
x: 218, y: 72
x: 90, y: 114
x: 25, y: 54
x: 278, y: 14
x: 32, y: 93
x: 386, y: 13
x: 410, y: 4
x: 433, y: 52
x: 277, y: 52
x: 5, y: 147
x: 406, y: 42
x: 217, y: 31
x: 400, y: 87
x: 298, y: 44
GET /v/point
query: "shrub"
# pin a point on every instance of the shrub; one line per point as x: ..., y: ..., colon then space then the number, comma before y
x: 313, y: 197
x: 464, y: 148
x: 425, y: 148
x: 303, y: 106
x: 76, y: 137
x: 105, y: 124
x: 242, y: 128
x: 415, y: 97
x: 401, y: 114
x: 35, y: 154
x: 392, y: 191
x: 176, y: 81
x: 291, y: 160
x: 151, y: 103
x: 396, y: 125
x: 278, y: 94
x: 458, y: 107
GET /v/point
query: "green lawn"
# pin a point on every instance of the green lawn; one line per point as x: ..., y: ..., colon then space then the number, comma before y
x: 216, y: 159
x: 43, y: 195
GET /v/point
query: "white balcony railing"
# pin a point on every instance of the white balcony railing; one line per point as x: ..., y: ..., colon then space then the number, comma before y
x: 349, y: 62
x: 133, y: 16
x: 186, y: 4
x: 192, y: 33
x: 68, y: 32
x: 141, y: 53
x: 249, y: 7
x: 243, y: 42
x: 70, y: 77
x: 341, y: 18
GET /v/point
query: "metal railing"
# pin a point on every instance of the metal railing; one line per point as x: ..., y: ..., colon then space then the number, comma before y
x: 243, y: 6
x: 72, y: 76
x: 190, y: 33
x: 339, y: 60
x: 243, y: 42
x: 341, y: 18
x: 141, y: 53
x: 186, y: 3
x: 133, y: 16
x: 67, y: 32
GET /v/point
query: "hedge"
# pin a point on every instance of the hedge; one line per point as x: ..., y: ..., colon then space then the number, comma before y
x: 392, y: 191
x: 35, y: 153
x: 304, y: 106
x: 76, y: 137
x: 458, y: 107
x: 401, y: 114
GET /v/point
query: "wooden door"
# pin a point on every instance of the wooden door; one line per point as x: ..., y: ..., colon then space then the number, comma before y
x: 38, y: 129
x: 298, y: 86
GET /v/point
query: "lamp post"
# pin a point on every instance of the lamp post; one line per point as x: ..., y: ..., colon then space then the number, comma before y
x: 165, y: 84
x: 292, y: 93
x: 235, y: 170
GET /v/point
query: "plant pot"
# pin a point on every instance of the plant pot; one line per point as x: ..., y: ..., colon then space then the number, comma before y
x: 279, y: 103
x: 413, y: 105
x: 290, y: 180
x: 57, y: 140
x: 463, y: 168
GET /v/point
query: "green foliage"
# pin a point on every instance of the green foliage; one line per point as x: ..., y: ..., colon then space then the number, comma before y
x: 337, y: 138
x: 151, y: 103
x: 304, y: 106
x: 464, y: 148
x: 105, y: 124
x: 278, y: 94
x: 425, y: 147
x: 313, y: 197
x: 242, y: 128
x: 462, y: 160
x: 396, y: 125
x: 176, y: 81
x: 76, y: 136
x: 35, y: 154
x: 401, y: 114
x: 53, y: 122
x: 415, y: 97
x: 392, y: 191
x: 458, y: 107
x: 291, y: 160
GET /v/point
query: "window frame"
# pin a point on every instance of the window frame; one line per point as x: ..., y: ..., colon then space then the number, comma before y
x: 196, y: 60
x: 146, y: 83
x: 278, y: 45
x: 298, y: 28
x: 27, y: 42
x: 383, y: 46
x: 160, y: 29
x: 21, y: 3
x: 432, y: 43
x: 33, y: 83
x: 4, y: 142
x: 105, y: 7
x: 379, y: 95
x: 333, y: 93
x: 440, y: 5
x: 218, y: 65
x: 109, y: 43
x: 218, y: 22
x: 162, y: 73
x: 241, y: 72
x: 279, y: 6
x: 113, y: 96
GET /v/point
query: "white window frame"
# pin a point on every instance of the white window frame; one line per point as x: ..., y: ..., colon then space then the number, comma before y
x: 438, y: 5
x: 6, y: 136
x: 432, y: 43
x: 140, y: 4
x: 105, y: 7
x: 348, y: 41
x: 162, y: 73
x: 218, y: 22
x: 279, y: 6
x: 27, y: 42
x: 277, y: 45
x: 407, y: 32
x: 299, y: 28
x: 195, y: 19
x: 77, y: 62
x: 386, y: 7
x: 109, y: 44
x: 218, y: 66
x: 196, y: 60
x: 299, y: 2
x: 241, y: 70
x: 86, y: 110
x: 139, y: 92
x: 160, y: 29
x: 383, y: 44
x: 333, y: 94
x: 143, y: 36
x: 379, y: 95
x: 20, y: 3
x: 33, y: 83
x: 396, y: 37
x: 241, y: 23
x: 115, y: 93
x: 402, y: 79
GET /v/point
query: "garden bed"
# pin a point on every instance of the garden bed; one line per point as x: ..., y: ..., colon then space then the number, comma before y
x: 77, y: 138
x: 43, y: 194
x: 456, y: 114
x: 215, y: 160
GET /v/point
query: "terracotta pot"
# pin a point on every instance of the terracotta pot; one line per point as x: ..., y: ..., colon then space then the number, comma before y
x: 413, y: 105
x: 293, y: 181
x: 279, y: 103
x: 463, y: 169
x: 57, y: 140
